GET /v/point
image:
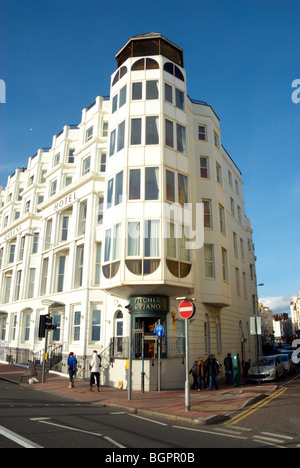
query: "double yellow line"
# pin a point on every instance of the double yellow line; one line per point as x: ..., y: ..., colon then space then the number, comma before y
x: 239, y: 417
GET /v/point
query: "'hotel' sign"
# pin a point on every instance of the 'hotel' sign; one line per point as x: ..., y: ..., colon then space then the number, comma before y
x: 65, y: 201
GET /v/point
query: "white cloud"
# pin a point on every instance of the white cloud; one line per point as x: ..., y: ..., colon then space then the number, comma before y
x: 277, y: 303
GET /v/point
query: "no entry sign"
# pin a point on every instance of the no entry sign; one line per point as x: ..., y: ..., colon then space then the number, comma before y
x: 187, y: 310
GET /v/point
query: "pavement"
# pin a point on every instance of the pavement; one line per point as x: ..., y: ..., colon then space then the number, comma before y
x: 207, y: 407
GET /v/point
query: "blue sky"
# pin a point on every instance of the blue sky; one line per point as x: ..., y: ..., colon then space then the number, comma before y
x: 241, y: 57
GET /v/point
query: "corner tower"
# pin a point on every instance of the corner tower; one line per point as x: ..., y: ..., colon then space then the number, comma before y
x: 147, y: 173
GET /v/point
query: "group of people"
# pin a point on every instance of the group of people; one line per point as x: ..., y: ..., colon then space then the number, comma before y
x: 94, y: 367
x: 205, y: 372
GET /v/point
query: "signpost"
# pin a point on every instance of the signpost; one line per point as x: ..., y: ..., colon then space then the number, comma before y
x: 187, y: 310
x: 255, y: 329
x: 159, y: 331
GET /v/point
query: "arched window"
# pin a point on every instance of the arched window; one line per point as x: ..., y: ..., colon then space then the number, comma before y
x: 173, y: 70
x: 138, y: 65
x: 142, y: 64
x: 120, y: 73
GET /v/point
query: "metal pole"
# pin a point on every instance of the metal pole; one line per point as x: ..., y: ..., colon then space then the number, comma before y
x: 45, y: 353
x: 187, y: 382
x: 130, y: 357
x: 257, y: 346
x: 143, y: 358
x: 159, y: 364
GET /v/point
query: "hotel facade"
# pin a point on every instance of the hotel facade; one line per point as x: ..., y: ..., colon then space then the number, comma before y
x: 135, y: 206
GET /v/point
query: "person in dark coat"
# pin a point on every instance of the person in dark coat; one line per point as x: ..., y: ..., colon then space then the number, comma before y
x: 213, y: 372
x: 194, y: 372
x: 228, y: 369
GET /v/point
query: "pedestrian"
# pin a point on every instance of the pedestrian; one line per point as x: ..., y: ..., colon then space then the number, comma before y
x: 228, y: 369
x: 95, y: 371
x: 194, y: 372
x: 72, y: 369
x: 213, y: 372
x: 201, y: 374
x: 206, y: 376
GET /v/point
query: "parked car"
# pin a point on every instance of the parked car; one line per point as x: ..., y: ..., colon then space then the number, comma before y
x: 286, y: 351
x: 290, y: 367
x: 270, y: 368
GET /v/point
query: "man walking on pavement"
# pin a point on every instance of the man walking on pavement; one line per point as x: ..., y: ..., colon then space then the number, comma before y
x: 95, y: 371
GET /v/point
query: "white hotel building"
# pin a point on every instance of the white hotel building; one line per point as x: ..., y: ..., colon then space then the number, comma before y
x: 90, y: 226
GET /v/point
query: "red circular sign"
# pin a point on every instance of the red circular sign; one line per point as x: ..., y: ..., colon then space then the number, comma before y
x: 186, y: 310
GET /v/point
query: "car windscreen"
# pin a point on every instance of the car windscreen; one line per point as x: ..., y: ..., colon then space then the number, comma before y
x: 265, y: 361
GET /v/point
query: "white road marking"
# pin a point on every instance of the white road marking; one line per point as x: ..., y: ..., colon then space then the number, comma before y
x: 210, y: 432
x: 268, y: 441
x: 149, y: 420
x: 43, y: 421
x: 280, y: 436
x: 18, y: 439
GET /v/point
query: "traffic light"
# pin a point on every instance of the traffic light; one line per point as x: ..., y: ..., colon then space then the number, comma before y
x: 46, y: 323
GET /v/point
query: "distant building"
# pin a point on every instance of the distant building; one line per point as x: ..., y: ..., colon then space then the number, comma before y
x: 96, y: 223
x: 295, y: 312
x: 267, y: 322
